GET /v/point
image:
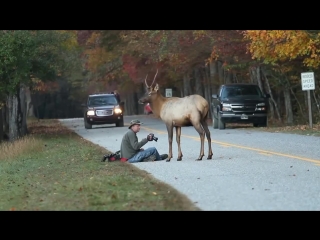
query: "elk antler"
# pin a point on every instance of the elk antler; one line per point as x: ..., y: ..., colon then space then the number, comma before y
x: 154, y: 78
x: 146, y: 81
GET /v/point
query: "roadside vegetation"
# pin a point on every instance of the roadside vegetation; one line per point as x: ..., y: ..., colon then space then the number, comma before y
x: 301, y: 129
x: 52, y: 168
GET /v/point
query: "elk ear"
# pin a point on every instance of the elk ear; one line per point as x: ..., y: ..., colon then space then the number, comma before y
x: 156, y: 88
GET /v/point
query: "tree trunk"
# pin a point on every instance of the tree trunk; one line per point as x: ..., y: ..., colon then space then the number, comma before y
x: 316, y: 101
x: 259, y: 81
x: 129, y: 106
x: 186, y: 85
x: 1, y: 125
x: 300, y: 107
x: 207, y: 89
x: 251, y: 75
x: 288, y: 105
x: 30, y: 111
x: 229, y: 77
x: 6, y: 118
x: 214, y: 76
x: 255, y: 77
x: 271, y: 100
x: 23, y: 110
x: 198, y: 82
x: 12, y: 100
x: 220, y: 73
x: 17, y: 114
x: 35, y: 103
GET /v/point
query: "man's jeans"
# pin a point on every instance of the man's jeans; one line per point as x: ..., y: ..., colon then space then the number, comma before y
x: 138, y: 157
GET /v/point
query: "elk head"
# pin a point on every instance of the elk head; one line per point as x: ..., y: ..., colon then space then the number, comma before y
x: 151, y: 92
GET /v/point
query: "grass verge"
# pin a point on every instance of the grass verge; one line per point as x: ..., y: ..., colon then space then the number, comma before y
x: 52, y: 168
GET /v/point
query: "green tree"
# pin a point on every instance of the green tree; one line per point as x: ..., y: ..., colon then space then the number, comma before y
x: 26, y: 55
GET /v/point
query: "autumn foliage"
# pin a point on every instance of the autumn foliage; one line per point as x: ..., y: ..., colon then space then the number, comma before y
x: 274, y: 46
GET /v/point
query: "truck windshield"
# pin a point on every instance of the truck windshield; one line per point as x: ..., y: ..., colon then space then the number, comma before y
x: 241, y: 91
x: 102, y: 100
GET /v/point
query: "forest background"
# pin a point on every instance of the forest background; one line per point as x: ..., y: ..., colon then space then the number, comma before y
x: 49, y: 73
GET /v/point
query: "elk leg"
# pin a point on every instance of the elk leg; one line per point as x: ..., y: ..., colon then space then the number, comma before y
x: 206, y: 130
x: 170, y: 135
x: 178, y: 134
x: 201, y: 132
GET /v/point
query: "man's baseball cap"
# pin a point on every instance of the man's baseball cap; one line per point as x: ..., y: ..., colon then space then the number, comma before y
x: 135, y: 122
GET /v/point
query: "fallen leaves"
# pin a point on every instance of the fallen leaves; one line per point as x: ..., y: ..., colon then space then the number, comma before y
x: 302, y: 129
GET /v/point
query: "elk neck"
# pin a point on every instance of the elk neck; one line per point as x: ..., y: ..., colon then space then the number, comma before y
x: 157, y: 103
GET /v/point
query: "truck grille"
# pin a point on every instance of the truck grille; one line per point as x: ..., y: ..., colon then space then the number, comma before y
x: 243, y: 108
x: 101, y: 113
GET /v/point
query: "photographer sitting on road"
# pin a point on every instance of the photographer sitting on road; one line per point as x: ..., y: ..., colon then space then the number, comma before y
x: 131, y: 148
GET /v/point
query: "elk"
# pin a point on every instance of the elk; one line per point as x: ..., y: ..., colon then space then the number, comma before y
x: 179, y: 112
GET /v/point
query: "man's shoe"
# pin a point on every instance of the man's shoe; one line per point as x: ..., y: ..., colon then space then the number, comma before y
x: 151, y: 158
x: 163, y: 156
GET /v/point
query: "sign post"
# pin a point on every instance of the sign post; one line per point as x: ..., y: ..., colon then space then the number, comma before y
x: 168, y: 92
x: 307, y: 83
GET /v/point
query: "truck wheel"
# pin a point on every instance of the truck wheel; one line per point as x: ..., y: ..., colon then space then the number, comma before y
x: 87, y: 125
x: 215, y: 123
x: 221, y: 124
x: 120, y: 123
x: 264, y: 123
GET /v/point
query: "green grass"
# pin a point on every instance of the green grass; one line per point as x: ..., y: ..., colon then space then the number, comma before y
x: 55, y: 169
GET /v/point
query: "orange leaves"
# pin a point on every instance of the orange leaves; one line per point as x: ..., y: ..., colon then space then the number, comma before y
x: 272, y: 46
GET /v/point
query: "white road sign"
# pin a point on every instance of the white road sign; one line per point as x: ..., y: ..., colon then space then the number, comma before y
x: 168, y: 92
x: 307, y: 81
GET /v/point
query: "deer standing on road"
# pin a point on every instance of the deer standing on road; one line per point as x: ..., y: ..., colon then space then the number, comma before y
x: 178, y: 112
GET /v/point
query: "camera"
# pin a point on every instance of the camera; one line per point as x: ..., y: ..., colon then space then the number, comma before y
x: 153, y: 137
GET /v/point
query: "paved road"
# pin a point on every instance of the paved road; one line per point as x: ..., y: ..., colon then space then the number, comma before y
x: 250, y: 170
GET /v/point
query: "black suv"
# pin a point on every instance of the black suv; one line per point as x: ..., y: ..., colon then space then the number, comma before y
x: 239, y: 103
x: 103, y: 108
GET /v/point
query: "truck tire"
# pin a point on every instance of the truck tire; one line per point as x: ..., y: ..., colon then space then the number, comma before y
x: 120, y: 123
x: 221, y: 124
x: 87, y: 125
x: 264, y: 123
x: 215, y: 122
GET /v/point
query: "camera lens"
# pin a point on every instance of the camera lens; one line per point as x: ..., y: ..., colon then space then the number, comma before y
x: 155, y: 138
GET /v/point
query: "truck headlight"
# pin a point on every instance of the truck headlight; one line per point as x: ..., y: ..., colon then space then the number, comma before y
x: 261, y: 107
x: 90, y: 113
x: 117, y: 110
x: 226, y: 107
x: 261, y: 104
